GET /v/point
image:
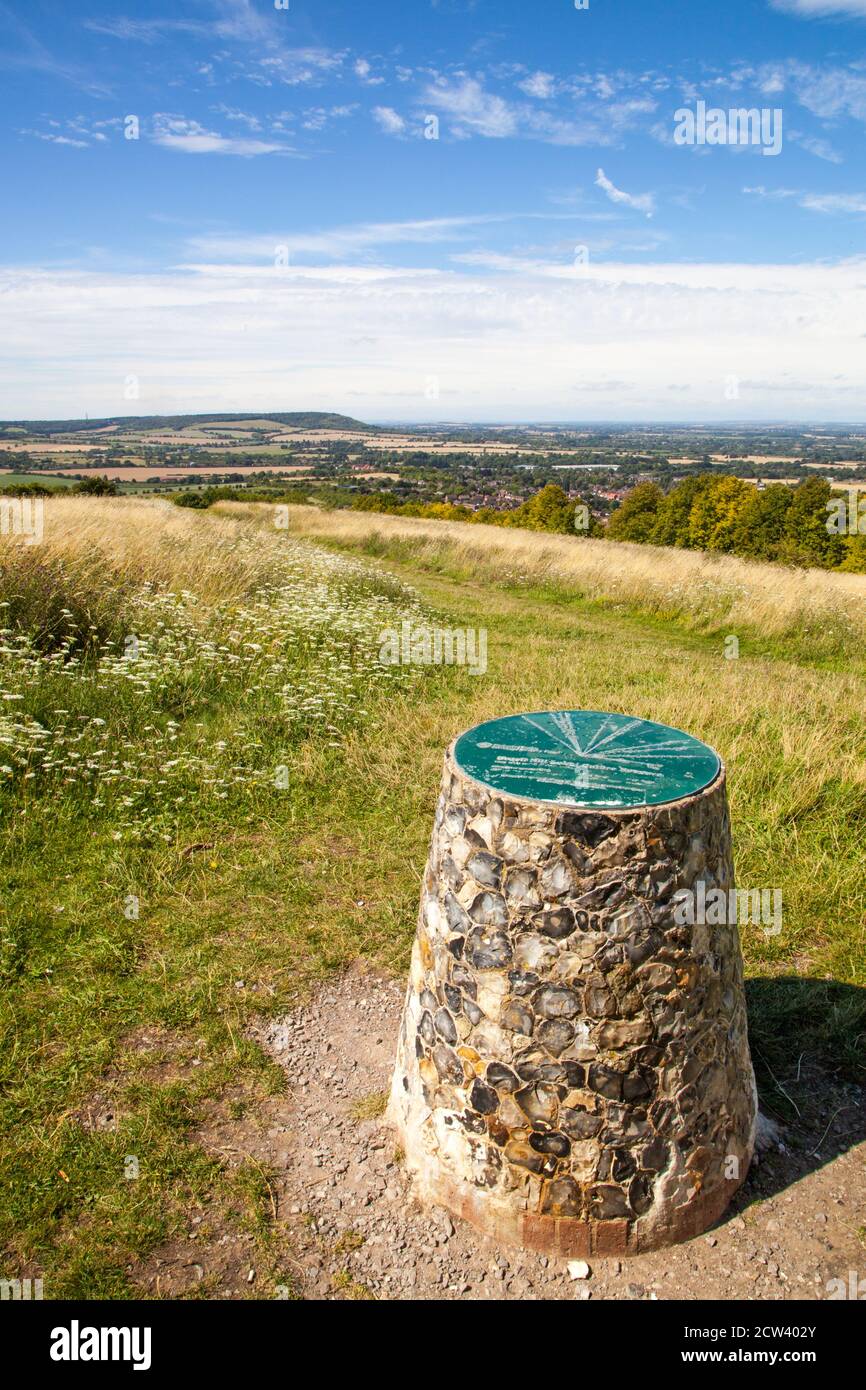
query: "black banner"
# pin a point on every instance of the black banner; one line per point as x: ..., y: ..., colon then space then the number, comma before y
x: 82, y: 1339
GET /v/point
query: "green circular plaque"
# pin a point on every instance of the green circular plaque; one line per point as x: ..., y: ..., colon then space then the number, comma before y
x: 586, y: 758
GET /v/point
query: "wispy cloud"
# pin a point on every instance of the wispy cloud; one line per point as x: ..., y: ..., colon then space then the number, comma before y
x: 641, y: 202
x: 20, y: 49
x: 319, y: 117
x: 389, y: 120
x: 76, y: 132
x: 347, y: 240
x: 829, y: 91
x: 822, y: 9
x: 475, y: 110
x: 813, y: 202
x: 539, y: 84
x: 188, y: 137
x: 239, y: 25
x: 365, y: 74
x: 834, y: 202
x: 246, y: 118
x: 54, y: 139
x: 368, y: 240
x: 140, y: 30
x: 813, y: 144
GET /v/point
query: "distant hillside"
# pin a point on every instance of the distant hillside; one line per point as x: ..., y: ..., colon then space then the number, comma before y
x: 299, y: 419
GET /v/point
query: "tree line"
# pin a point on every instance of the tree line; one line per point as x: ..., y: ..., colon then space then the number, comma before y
x: 708, y: 511
x: 792, y: 525
x: 808, y: 525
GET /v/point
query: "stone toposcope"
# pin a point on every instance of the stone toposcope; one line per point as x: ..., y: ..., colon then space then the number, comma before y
x: 573, y: 1069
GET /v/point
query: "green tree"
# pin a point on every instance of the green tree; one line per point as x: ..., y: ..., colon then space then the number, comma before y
x: 809, y: 541
x: 635, y: 517
x: 674, y: 515
x: 715, y: 512
x: 375, y: 502
x: 96, y: 487
x: 855, y: 555
x: 199, y: 501
x: 10, y: 489
x: 549, y: 510
x: 760, y: 528
x: 446, y: 511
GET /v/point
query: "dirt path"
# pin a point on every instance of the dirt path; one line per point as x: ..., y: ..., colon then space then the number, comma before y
x: 343, y: 1203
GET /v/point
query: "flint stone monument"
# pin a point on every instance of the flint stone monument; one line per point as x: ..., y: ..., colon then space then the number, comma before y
x: 573, y: 1070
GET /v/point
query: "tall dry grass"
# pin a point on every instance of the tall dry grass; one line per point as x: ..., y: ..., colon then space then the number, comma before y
x: 96, y: 554
x: 149, y: 539
x: 711, y: 592
x: 134, y: 629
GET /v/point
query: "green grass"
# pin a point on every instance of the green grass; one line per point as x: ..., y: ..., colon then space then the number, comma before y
x: 48, y: 479
x: 278, y: 887
x: 825, y: 645
x: 788, y: 723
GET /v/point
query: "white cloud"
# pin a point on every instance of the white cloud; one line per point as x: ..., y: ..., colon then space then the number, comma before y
x: 131, y: 30
x: 476, y: 111
x: 231, y: 113
x: 77, y: 132
x: 177, y: 133
x: 821, y: 9
x: 254, y: 33
x: 832, y: 94
x: 58, y: 139
x: 822, y: 149
x: 363, y: 71
x: 364, y: 238
x: 390, y: 120
x: 294, y: 68
x: 813, y: 202
x: 473, y: 108
x: 540, y: 84
x: 613, y: 341
x: 828, y: 92
x: 319, y: 117
x: 642, y: 202
x: 353, y: 239
x: 834, y: 202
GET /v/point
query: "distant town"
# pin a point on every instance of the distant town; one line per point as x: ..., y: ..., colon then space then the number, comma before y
x: 330, y: 458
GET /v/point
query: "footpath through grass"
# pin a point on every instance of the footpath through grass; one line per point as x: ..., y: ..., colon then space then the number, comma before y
x: 216, y: 895
x: 789, y: 727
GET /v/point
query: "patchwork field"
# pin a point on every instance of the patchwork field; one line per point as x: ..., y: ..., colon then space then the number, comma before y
x: 131, y: 473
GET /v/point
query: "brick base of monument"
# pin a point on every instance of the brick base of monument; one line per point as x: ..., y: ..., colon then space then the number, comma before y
x: 568, y: 1236
x: 573, y: 1072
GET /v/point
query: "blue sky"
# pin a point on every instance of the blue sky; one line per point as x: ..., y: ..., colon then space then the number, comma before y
x: 443, y: 209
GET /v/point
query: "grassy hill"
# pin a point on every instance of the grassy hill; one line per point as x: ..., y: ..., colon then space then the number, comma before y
x: 305, y: 420
x: 216, y: 797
